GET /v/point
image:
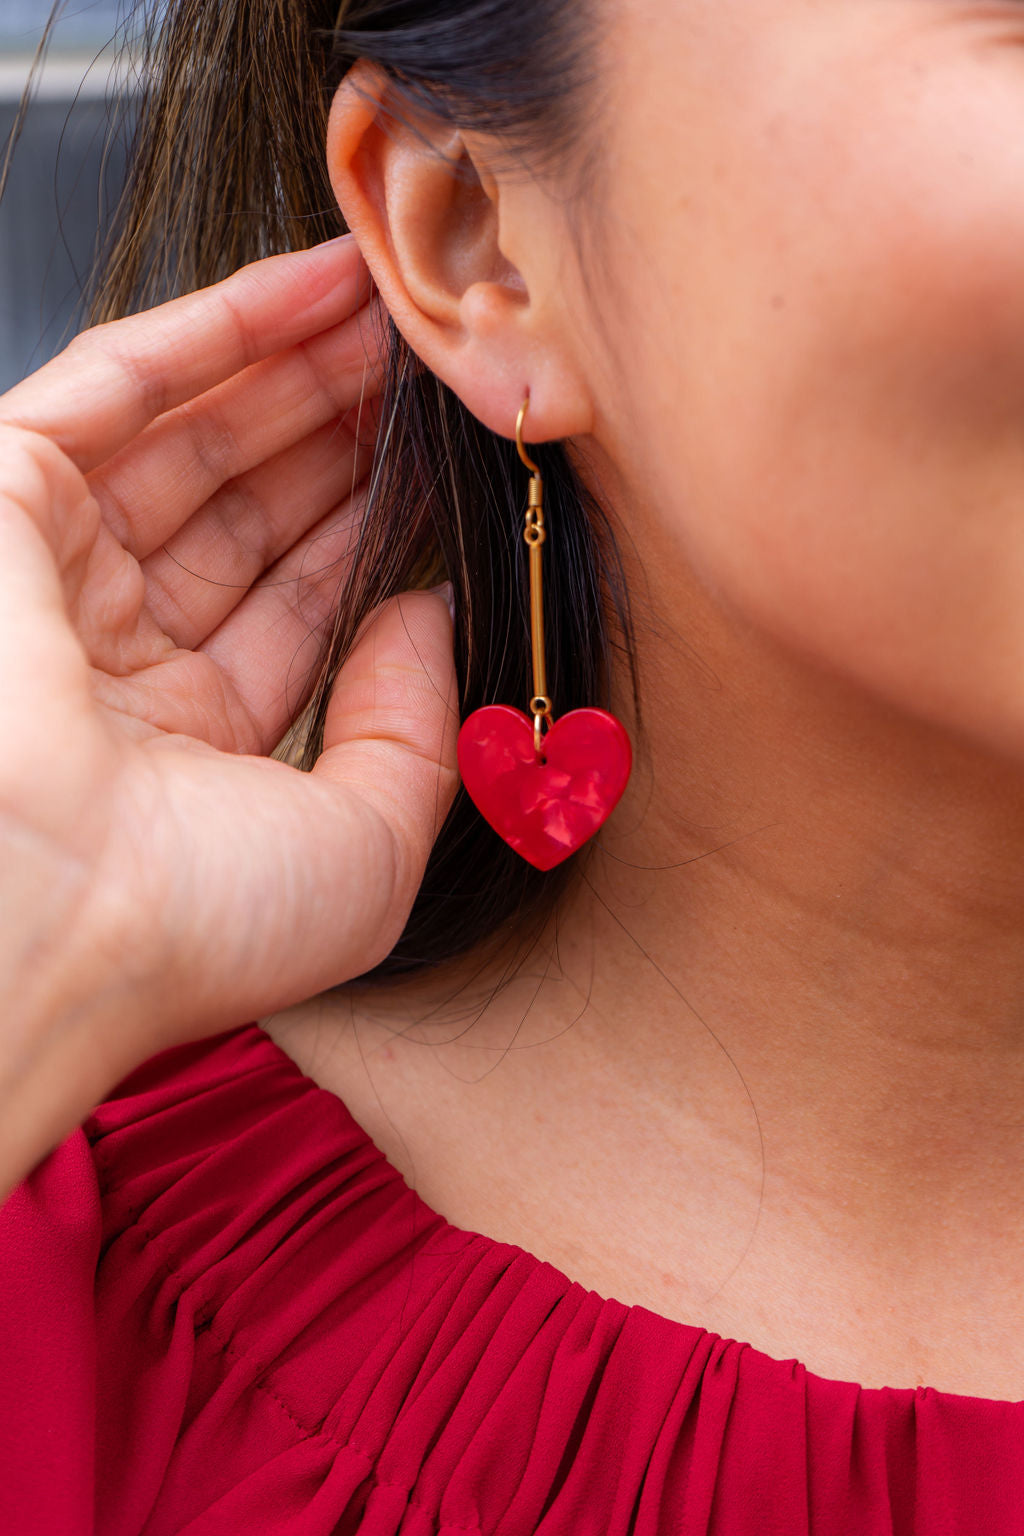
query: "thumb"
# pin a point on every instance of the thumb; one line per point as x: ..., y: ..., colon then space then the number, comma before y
x: 392, y: 724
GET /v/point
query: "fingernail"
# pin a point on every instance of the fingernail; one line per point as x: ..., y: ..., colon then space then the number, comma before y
x: 338, y: 240
x: 448, y: 593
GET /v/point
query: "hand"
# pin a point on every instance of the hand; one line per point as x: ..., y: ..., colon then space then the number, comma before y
x: 167, y: 484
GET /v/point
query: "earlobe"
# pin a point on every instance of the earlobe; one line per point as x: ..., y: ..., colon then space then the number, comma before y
x: 428, y: 216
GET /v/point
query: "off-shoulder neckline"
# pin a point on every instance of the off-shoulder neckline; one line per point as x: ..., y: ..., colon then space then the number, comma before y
x: 287, y: 1066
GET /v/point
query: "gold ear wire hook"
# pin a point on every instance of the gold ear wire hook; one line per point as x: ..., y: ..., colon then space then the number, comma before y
x: 519, y: 438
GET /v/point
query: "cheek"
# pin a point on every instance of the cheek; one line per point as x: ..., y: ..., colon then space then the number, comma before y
x: 837, y: 420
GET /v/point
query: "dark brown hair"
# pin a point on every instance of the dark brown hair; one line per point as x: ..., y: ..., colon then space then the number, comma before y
x: 227, y: 165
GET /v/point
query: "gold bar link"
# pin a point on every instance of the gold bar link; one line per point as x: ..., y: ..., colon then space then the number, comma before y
x: 537, y: 612
x: 535, y: 533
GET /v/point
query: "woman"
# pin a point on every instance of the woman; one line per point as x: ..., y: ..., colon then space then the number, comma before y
x: 714, y: 1130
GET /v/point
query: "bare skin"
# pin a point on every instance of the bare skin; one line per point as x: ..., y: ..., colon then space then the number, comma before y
x: 771, y: 1078
x: 775, y: 1083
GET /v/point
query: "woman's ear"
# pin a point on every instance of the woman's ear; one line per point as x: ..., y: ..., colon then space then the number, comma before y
x: 470, y: 266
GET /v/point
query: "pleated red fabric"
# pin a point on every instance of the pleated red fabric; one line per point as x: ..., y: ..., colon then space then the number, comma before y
x: 223, y: 1311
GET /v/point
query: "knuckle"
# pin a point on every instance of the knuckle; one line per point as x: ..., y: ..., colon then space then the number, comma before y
x: 36, y: 472
x: 124, y: 593
x: 115, y: 508
x: 396, y: 703
x: 80, y: 343
x: 245, y: 331
x: 241, y: 518
x: 212, y: 440
x: 146, y: 382
x: 331, y: 385
x: 21, y: 442
x: 109, y: 347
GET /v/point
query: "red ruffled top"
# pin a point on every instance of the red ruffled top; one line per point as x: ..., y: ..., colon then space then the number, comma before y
x: 223, y: 1311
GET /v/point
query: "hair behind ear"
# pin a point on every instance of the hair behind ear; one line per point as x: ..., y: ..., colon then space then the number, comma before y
x: 227, y: 165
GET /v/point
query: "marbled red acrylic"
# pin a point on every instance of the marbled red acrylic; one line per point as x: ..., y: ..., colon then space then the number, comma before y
x: 544, y: 809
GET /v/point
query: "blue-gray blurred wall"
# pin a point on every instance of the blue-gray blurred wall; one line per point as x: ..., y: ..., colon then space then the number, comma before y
x: 64, y: 173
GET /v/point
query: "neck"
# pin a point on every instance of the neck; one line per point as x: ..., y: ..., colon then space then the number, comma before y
x: 835, y: 892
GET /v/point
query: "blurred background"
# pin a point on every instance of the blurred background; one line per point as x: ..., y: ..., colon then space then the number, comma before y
x: 64, y: 175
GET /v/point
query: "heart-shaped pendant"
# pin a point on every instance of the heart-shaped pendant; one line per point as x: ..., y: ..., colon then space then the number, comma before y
x: 544, y: 809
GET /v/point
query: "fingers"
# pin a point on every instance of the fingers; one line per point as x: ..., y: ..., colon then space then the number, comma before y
x: 393, y: 719
x: 206, y: 571
x: 388, y: 776
x: 165, y: 477
x: 258, y: 666
x: 269, y: 646
x: 390, y: 737
x: 114, y: 379
x: 41, y: 496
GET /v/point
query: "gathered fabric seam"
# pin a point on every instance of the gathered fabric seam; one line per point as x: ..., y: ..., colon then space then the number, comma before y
x: 205, y: 1321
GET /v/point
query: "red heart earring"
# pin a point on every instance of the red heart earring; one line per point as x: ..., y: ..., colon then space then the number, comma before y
x: 545, y: 795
